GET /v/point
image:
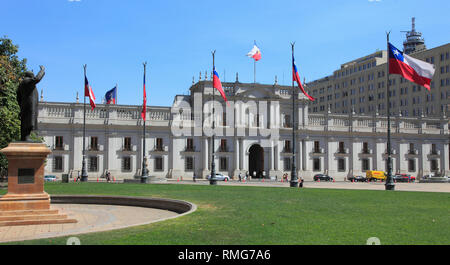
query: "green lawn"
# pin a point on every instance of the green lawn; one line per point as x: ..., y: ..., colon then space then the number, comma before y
x: 267, y: 215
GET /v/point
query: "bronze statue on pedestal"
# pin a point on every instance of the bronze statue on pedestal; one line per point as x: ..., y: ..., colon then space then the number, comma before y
x: 27, y: 97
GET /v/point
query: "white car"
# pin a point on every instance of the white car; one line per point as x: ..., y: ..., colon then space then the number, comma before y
x: 220, y: 176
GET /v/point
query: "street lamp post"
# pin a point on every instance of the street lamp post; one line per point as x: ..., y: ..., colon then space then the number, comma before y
x: 389, y: 180
x: 212, y: 180
x: 294, y: 179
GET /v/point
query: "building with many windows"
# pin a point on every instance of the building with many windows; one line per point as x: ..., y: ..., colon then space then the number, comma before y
x: 253, y: 133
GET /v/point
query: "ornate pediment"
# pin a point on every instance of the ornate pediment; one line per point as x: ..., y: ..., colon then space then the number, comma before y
x: 257, y: 92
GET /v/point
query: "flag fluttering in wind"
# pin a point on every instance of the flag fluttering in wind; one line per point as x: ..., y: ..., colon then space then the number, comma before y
x: 296, y: 78
x: 144, y: 105
x: 218, y: 85
x: 412, y: 69
x: 89, y: 93
x: 111, y: 96
x: 255, y: 53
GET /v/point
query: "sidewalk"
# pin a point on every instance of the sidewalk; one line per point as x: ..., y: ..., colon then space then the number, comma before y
x: 426, y: 187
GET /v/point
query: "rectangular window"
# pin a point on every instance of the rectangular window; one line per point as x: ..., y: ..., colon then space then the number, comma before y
x: 223, y: 164
x: 316, y: 164
x: 59, y: 143
x: 287, y: 163
x: 189, y: 163
x: 341, y: 148
x: 434, y: 165
x: 127, y: 144
x: 433, y: 149
x: 341, y: 164
x: 287, y: 121
x: 93, y: 164
x: 159, y: 144
x: 126, y: 163
x: 365, y: 148
x: 159, y: 163
x: 223, y: 145
x: 94, y: 143
x: 411, y: 149
x: 411, y: 165
x: 316, y: 147
x: 287, y: 146
x: 365, y: 164
x: 58, y: 163
x: 189, y: 144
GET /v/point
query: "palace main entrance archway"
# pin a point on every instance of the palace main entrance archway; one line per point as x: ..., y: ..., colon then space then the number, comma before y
x: 256, y: 160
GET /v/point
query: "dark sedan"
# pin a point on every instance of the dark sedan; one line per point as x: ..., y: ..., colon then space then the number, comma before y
x: 357, y: 178
x: 322, y: 177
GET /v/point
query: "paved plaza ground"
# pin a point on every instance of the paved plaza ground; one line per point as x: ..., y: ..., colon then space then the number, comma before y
x: 91, y: 218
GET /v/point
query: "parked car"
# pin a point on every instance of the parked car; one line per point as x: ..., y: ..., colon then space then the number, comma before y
x: 357, y: 178
x: 404, y: 178
x: 49, y: 178
x: 322, y: 177
x: 220, y: 176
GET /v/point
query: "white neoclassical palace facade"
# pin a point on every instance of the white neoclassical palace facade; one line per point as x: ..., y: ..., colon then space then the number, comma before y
x: 253, y: 133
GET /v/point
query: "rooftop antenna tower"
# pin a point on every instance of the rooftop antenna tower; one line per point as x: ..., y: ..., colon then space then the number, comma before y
x: 414, y: 41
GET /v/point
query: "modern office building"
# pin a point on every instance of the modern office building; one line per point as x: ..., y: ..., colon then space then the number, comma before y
x: 360, y: 85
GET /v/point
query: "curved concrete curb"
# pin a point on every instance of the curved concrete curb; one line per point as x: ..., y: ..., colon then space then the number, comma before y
x: 180, y: 207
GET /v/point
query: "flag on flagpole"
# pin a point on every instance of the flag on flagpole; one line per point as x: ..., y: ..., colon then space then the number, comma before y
x: 218, y: 85
x: 412, y: 69
x: 255, y: 53
x: 144, y: 105
x: 89, y: 93
x: 296, y: 78
x: 111, y: 96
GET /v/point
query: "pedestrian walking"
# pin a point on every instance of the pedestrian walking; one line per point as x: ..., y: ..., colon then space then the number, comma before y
x: 240, y: 177
x: 194, y: 177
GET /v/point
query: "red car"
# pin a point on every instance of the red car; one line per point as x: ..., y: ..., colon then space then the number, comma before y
x: 404, y: 178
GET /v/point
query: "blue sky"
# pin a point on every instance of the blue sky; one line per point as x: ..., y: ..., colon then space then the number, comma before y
x: 114, y: 38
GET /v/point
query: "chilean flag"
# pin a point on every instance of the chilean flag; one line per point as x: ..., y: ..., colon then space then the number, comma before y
x: 296, y: 78
x: 412, y: 69
x: 218, y: 85
x: 111, y: 96
x: 89, y: 93
x: 255, y: 53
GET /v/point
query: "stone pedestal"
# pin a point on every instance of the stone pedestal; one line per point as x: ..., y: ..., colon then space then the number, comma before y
x: 26, y: 201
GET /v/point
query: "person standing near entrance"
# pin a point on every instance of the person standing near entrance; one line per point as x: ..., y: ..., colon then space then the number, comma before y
x: 240, y: 177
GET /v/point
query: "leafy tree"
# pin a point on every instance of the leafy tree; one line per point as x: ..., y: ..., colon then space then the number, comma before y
x: 11, y: 72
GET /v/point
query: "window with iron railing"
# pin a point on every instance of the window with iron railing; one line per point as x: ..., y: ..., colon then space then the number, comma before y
x: 58, y: 163
x: 287, y: 146
x: 127, y: 144
x: 59, y: 143
x: 341, y: 149
x: 190, y: 145
x: 94, y: 143
x: 159, y: 144
x: 365, y: 149
x: 433, y: 149
x: 316, y: 147
x: 223, y: 145
x: 93, y: 164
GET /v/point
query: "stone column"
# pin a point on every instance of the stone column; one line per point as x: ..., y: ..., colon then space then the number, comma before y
x: 205, y: 157
x: 236, y: 158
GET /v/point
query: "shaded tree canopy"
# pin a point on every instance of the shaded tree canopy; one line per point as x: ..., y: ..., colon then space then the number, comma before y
x: 12, y: 70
